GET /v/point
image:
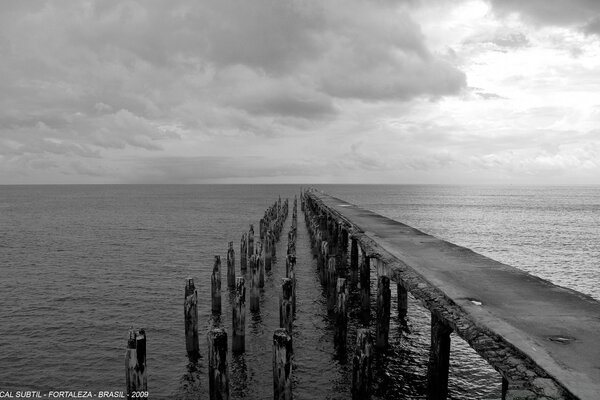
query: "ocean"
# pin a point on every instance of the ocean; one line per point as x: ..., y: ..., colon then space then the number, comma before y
x: 81, y: 264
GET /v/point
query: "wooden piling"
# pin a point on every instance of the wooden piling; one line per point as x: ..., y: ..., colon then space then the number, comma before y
x: 230, y: 266
x: 290, y: 272
x: 218, y: 377
x: 215, y: 285
x: 268, y: 249
x: 331, y: 284
x: 365, y: 287
x: 254, y: 284
x: 285, y: 305
x: 361, y: 366
x: 354, y: 255
x: 341, y: 312
x: 402, y: 300
x: 244, y: 253
x: 384, y: 296
x: 261, y: 271
x: 136, y: 377
x: 251, y: 240
x: 238, y: 339
x: 439, y: 360
x: 282, y: 365
x: 190, y: 309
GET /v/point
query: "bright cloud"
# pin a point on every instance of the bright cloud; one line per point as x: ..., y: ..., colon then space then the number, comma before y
x: 281, y: 91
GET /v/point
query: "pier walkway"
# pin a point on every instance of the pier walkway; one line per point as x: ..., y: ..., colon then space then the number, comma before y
x: 542, y: 338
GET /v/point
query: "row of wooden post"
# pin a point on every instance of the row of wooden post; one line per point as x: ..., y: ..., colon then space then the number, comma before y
x: 327, y: 235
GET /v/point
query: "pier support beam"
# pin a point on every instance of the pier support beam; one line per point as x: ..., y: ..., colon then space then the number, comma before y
x: 190, y: 310
x: 402, y: 301
x: 215, y: 285
x: 331, y: 284
x: 238, y: 339
x: 365, y: 288
x: 282, y: 365
x: 354, y: 260
x: 136, y: 378
x: 218, y: 378
x: 439, y: 360
x: 341, y: 313
x: 383, y: 311
x: 361, y: 366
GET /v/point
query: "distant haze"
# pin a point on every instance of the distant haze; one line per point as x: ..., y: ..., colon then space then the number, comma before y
x: 278, y: 91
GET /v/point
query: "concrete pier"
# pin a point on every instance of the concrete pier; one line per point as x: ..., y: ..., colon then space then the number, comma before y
x: 542, y: 338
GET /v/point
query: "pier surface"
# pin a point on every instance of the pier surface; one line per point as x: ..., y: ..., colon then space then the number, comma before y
x: 539, y: 336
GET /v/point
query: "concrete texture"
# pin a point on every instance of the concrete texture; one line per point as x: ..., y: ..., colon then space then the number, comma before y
x: 538, y: 335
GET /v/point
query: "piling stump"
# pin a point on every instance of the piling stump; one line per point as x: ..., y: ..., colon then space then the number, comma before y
x: 254, y: 284
x: 244, y: 253
x: 136, y: 378
x: 402, y: 301
x: 190, y: 309
x: 383, y: 311
x: 238, y: 339
x: 215, y: 285
x: 230, y: 266
x: 251, y: 240
x: 282, y: 365
x: 218, y: 377
x: 365, y: 287
x: 331, y: 284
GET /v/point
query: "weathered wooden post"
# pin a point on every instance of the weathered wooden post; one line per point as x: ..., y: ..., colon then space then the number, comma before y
x: 218, y: 377
x: 341, y: 312
x: 365, y: 288
x: 230, y: 266
x: 190, y: 309
x: 268, y: 249
x: 439, y: 360
x: 325, y: 258
x: 285, y: 305
x: 251, y: 240
x: 384, y: 296
x: 244, y: 253
x: 238, y: 339
x: 361, y: 366
x: 282, y: 365
x: 215, y: 286
x: 136, y: 378
x: 290, y: 272
x: 261, y: 271
x: 402, y: 300
x: 331, y: 284
x: 254, y: 288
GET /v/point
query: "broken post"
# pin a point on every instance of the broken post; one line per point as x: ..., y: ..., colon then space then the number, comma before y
x: 238, y: 339
x: 285, y: 305
x: 261, y: 271
x: 251, y: 240
x: 190, y: 308
x: 244, y: 253
x: 230, y: 266
x: 215, y: 285
x: 290, y: 272
x: 218, y: 379
x: 282, y: 365
x: 341, y: 312
x: 254, y: 289
x: 439, y: 360
x: 384, y: 296
x: 268, y: 249
x: 361, y: 366
x: 136, y: 378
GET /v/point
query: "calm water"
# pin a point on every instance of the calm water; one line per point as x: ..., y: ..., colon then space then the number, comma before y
x: 80, y: 264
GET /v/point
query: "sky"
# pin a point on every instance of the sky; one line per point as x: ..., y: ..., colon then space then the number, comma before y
x: 294, y: 91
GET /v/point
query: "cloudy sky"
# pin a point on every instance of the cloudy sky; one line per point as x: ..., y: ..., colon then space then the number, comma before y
x: 348, y: 91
